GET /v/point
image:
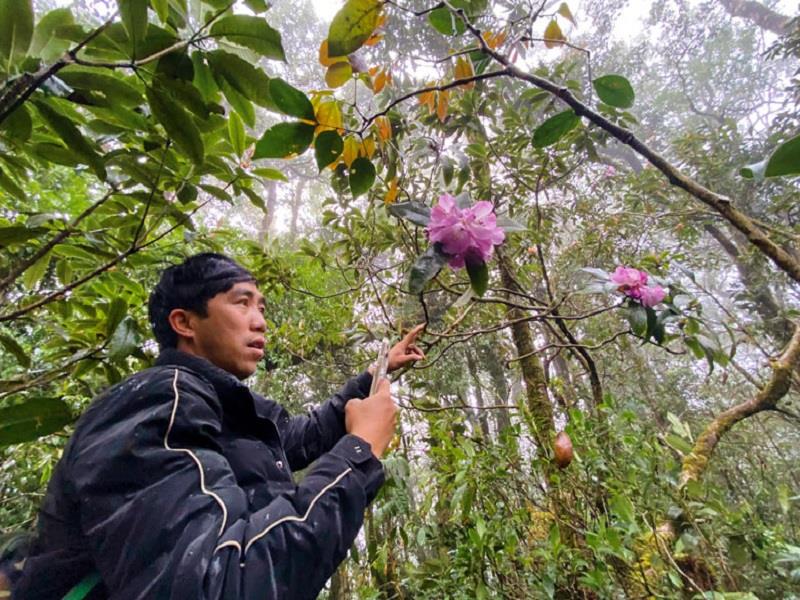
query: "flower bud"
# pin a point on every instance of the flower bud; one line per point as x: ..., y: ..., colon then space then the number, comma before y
x: 562, y: 450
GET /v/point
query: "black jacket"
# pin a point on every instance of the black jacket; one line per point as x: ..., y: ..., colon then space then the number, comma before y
x: 177, y: 483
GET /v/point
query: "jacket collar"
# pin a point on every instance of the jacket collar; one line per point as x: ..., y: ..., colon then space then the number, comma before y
x: 224, y: 383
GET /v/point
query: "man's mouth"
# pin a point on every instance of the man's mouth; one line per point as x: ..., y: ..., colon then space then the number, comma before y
x: 257, y: 344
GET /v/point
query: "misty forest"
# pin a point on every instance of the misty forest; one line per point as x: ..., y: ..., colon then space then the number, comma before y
x: 609, y: 406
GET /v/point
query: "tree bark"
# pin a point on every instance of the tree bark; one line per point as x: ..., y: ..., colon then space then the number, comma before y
x: 537, y: 400
x: 695, y: 464
x: 758, y: 14
x: 483, y: 419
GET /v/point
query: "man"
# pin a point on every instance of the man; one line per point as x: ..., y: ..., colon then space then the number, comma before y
x: 177, y: 482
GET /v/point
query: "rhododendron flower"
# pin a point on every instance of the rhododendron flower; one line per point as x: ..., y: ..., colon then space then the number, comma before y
x: 633, y: 283
x: 465, y: 234
x: 651, y: 295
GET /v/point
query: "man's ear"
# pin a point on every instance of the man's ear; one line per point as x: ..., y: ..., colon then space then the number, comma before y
x: 182, y: 322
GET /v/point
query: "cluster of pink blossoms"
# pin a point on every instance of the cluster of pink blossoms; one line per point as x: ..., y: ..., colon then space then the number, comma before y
x: 633, y: 283
x: 465, y: 234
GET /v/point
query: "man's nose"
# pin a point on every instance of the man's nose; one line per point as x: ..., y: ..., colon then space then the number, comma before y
x: 258, y: 322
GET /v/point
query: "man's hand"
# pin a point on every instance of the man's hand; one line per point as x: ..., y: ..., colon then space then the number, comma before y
x: 373, y: 419
x: 406, y: 351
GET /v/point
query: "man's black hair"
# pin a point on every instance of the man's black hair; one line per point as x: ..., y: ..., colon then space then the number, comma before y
x: 190, y: 285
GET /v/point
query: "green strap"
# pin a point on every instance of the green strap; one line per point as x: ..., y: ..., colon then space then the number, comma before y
x: 82, y: 589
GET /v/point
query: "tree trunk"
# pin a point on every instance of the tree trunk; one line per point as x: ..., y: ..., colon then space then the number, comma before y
x: 758, y: 14
x: 537, y: 400
x: 695, y: 464
x: 296, y: 199
x: 483, y: 419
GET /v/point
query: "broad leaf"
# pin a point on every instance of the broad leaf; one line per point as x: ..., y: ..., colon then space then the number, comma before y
x: 417, y: 213
x: 327, y: 148
x: 44, y: 44
x: 12, y: 346
x: 72, y: 137
x: 565, y: 12
x: 284, y: 139
x: 352, y: 26
x: 134, y: 18
x: 10, y: 186
x: 290, y: 101
x: 236, y: 133
x: 785, y: 160
x: 426, y: 267
x: 18, y: 124
x: 478, y: 277
x: 362, y: 176
x: 338, y: 74
x: 268, y: 173
x: 32, y: 419
x: 162, y: 9
x: 251, y: 32
x: 16, y: 28
x: 177, y: 123
x: 445, y: 22
x: 553, y: 35
x: 246, y: 79
x: 637, y: 317
x: 614, y: 90
x: 554, y: 128
x: 116, y: 312
x: 125, y: 339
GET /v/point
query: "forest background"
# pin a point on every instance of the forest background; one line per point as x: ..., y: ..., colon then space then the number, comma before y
x: 311, y: 141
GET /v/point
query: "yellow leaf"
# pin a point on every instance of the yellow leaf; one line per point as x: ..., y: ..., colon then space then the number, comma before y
x: 367, y: 148
x: 442, y: 103
x: 494, y: 40
x: 338, y: 74
x: 565, y: 12
x: 384, y: 128
x: 391, y: 194
x: 324, y: 59
x: 380, y: 79
x: 428, y: 99
x: 381, y: 21
x: 350, y: 152
x: 464, y: 70
x: 552, y: 35
x: 329, y: 116
x: 373, y: 40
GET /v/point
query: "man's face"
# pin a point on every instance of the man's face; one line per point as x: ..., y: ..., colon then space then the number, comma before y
x: 231, y: 336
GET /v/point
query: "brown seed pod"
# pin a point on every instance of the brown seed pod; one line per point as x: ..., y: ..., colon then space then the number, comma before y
x: 562, y: 450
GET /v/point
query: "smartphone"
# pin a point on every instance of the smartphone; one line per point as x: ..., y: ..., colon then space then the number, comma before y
x: 381, y: 366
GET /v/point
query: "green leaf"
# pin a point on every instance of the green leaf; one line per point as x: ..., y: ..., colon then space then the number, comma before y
x: 257, y: 6
x: 362, y: 176
x: 16, y: 28
x: 32, y: 419
x: 125, y: 339
x: 116, y: 89
x: 239, y: 103
x: 203, y: 78
x: 72, y: 137
x: 18, y: 234
x: 284, y: 139
x: 553, y: 36
x: 754, y: 171
x: 338, y: 74
x: 426, y: 267
x: 251, y: 32
x: 416, y: 212
x: 236, y: 133
x: 246, y: 79
x: 445, y: 22
x: 134, y: 19
x: 327, y: 148
x: 478, y: 277
x: 18, y: 124
x: 565, y: 12
x: 352, y: 26
x: 785, y: 160
x: 614, y: 90
x: 177, y: 123
x: 44, y: 33
x: 257, y: 200
x: 162, y: 9
x: 290, y: 101
x: 554, y: 128
x: 116, y: 312
x: 12, y: 346
x: 10, y: 186
x: 268, y: 173
x: 35, y: 272
x: 510, y: 225
x: 637, y: 317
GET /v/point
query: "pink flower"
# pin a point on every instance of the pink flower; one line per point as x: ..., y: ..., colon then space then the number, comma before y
x: 633, y: 283
x: 470, y: 233
x: 650, y: 296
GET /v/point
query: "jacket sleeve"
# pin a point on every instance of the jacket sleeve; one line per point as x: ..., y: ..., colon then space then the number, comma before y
x: 165, y: 518
x: 307, y: 437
